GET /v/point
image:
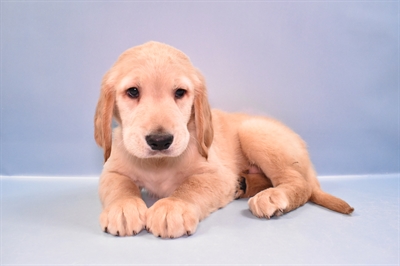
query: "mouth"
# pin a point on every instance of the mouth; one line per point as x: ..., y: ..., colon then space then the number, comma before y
x: 159, y: 154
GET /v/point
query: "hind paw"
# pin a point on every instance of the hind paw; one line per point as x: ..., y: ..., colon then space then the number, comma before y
x: 268, y: 203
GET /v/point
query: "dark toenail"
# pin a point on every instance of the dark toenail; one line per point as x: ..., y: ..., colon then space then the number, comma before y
x: 242, y: 184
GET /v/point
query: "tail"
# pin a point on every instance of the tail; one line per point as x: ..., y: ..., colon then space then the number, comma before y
x: 331, y: 202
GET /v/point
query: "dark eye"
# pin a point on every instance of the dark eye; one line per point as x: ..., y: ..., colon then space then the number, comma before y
x: 133, y: 92
x: 179, y: 93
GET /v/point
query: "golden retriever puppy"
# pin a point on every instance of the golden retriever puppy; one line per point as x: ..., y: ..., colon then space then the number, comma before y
x: 169, y: 142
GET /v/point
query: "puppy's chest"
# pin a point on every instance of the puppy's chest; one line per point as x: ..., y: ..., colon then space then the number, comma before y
x: 160, y: 182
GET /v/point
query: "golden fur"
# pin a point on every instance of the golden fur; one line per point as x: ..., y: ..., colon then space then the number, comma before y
x: 199, y: 171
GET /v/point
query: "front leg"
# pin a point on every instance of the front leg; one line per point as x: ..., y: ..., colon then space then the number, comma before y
x: 194, y: 200
x: 123, y: 208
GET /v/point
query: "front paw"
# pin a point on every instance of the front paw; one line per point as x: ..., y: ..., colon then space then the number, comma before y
x: 124, y: 217
x: 171, y: 218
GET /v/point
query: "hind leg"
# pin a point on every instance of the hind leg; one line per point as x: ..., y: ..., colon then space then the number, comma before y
x: 288, y: 195
x: 251, y: 184
x: 282, y: 156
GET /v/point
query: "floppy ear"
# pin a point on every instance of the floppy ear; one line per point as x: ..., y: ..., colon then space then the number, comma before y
x: 103, y: 117
x: 202, y: 116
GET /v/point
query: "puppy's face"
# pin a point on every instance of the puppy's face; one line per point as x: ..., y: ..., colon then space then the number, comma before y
x: 153, y: 92
x: 154, y: 104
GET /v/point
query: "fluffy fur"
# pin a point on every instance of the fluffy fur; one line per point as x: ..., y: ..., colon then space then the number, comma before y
x: 210, y: 153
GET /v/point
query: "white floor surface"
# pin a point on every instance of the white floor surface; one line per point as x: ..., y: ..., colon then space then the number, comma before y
x: 54, y: 221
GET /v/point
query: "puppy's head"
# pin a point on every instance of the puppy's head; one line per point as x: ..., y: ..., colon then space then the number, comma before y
x: 153, y: 92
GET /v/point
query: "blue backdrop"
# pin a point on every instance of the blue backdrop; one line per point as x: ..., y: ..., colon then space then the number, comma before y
x: 328, y: 69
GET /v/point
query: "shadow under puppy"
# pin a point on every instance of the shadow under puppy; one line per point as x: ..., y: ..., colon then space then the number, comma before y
x: 171, y: 143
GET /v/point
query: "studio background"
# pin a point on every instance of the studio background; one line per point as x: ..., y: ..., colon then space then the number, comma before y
x: 327, y: 69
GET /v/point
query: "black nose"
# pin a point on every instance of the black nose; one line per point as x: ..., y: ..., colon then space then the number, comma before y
x: 159, y: 142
